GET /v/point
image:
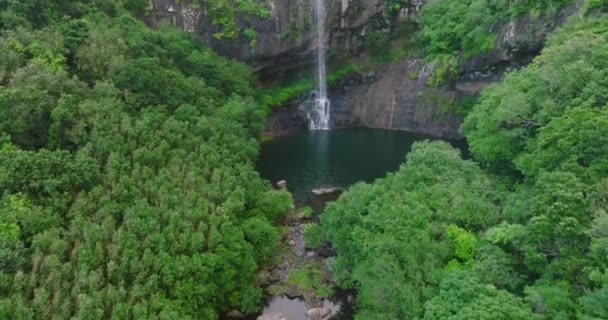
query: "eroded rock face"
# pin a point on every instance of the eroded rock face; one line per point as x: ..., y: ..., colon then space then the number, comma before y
x: 399, y: 99
x: 271, y: 44
x: 519, y: 41
x: 286, y: 121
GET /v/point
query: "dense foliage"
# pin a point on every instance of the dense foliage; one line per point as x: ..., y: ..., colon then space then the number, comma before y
x: 397, y: 238
x: 566, y: 84
x: 126, y: 176
x: 522, y: 232
x: 128, y: 190
x: 223, y: 14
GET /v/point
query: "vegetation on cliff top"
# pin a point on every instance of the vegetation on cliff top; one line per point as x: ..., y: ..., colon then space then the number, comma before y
x: 469, y: 27
x: 451, y: 30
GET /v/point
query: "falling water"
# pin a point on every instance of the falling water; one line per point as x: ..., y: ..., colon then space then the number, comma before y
x: 319, y: 116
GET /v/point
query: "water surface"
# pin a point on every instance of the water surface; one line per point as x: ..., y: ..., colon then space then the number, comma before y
x: 335, y: 158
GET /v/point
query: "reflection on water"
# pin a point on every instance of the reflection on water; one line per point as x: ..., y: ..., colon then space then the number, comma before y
x: 335, y: 158
x: 295, y: 309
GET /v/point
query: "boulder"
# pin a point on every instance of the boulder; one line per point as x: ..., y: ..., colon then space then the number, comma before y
x: 292, y: 292
x: 281, y: 184
x: 311, y: 301
x: 265, y: 277
x: 272, y: 316
x: 318, y: 313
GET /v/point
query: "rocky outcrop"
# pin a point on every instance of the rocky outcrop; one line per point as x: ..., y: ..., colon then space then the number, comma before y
x: 518, y: 42
x: 282, y: 184
x: 326, y: 191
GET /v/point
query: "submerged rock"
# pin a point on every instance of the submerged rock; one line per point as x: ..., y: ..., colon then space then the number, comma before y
x: 272, y: 316
x: 318, y: 313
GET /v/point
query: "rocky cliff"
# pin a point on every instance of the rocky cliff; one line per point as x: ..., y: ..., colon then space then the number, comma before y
x: 285, y: 40
x: 395, y: 95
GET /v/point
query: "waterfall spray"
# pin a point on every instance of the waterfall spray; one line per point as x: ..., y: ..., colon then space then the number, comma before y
x: 319, y: 119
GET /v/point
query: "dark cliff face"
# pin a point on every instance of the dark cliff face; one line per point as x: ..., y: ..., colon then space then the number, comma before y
x: 272, y: 48
x: 393, y: 97
x: 396, y: 95
x: 287, y: 39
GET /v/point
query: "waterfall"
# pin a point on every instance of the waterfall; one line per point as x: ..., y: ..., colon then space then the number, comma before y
x: 319, y: 115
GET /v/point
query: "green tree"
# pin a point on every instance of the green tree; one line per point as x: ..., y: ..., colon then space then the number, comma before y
x: 575, y: 142
x: 463, y: 296
x: 551, y: 300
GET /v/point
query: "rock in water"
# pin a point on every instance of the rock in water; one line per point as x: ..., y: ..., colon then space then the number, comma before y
x: 272, y: 316
x: 282, y: 184
x: 311, y: 301
x: 318, y: 313
x: 325, y: 191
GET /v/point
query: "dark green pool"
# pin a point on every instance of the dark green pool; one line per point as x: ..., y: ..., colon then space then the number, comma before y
x: 335, y: 158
